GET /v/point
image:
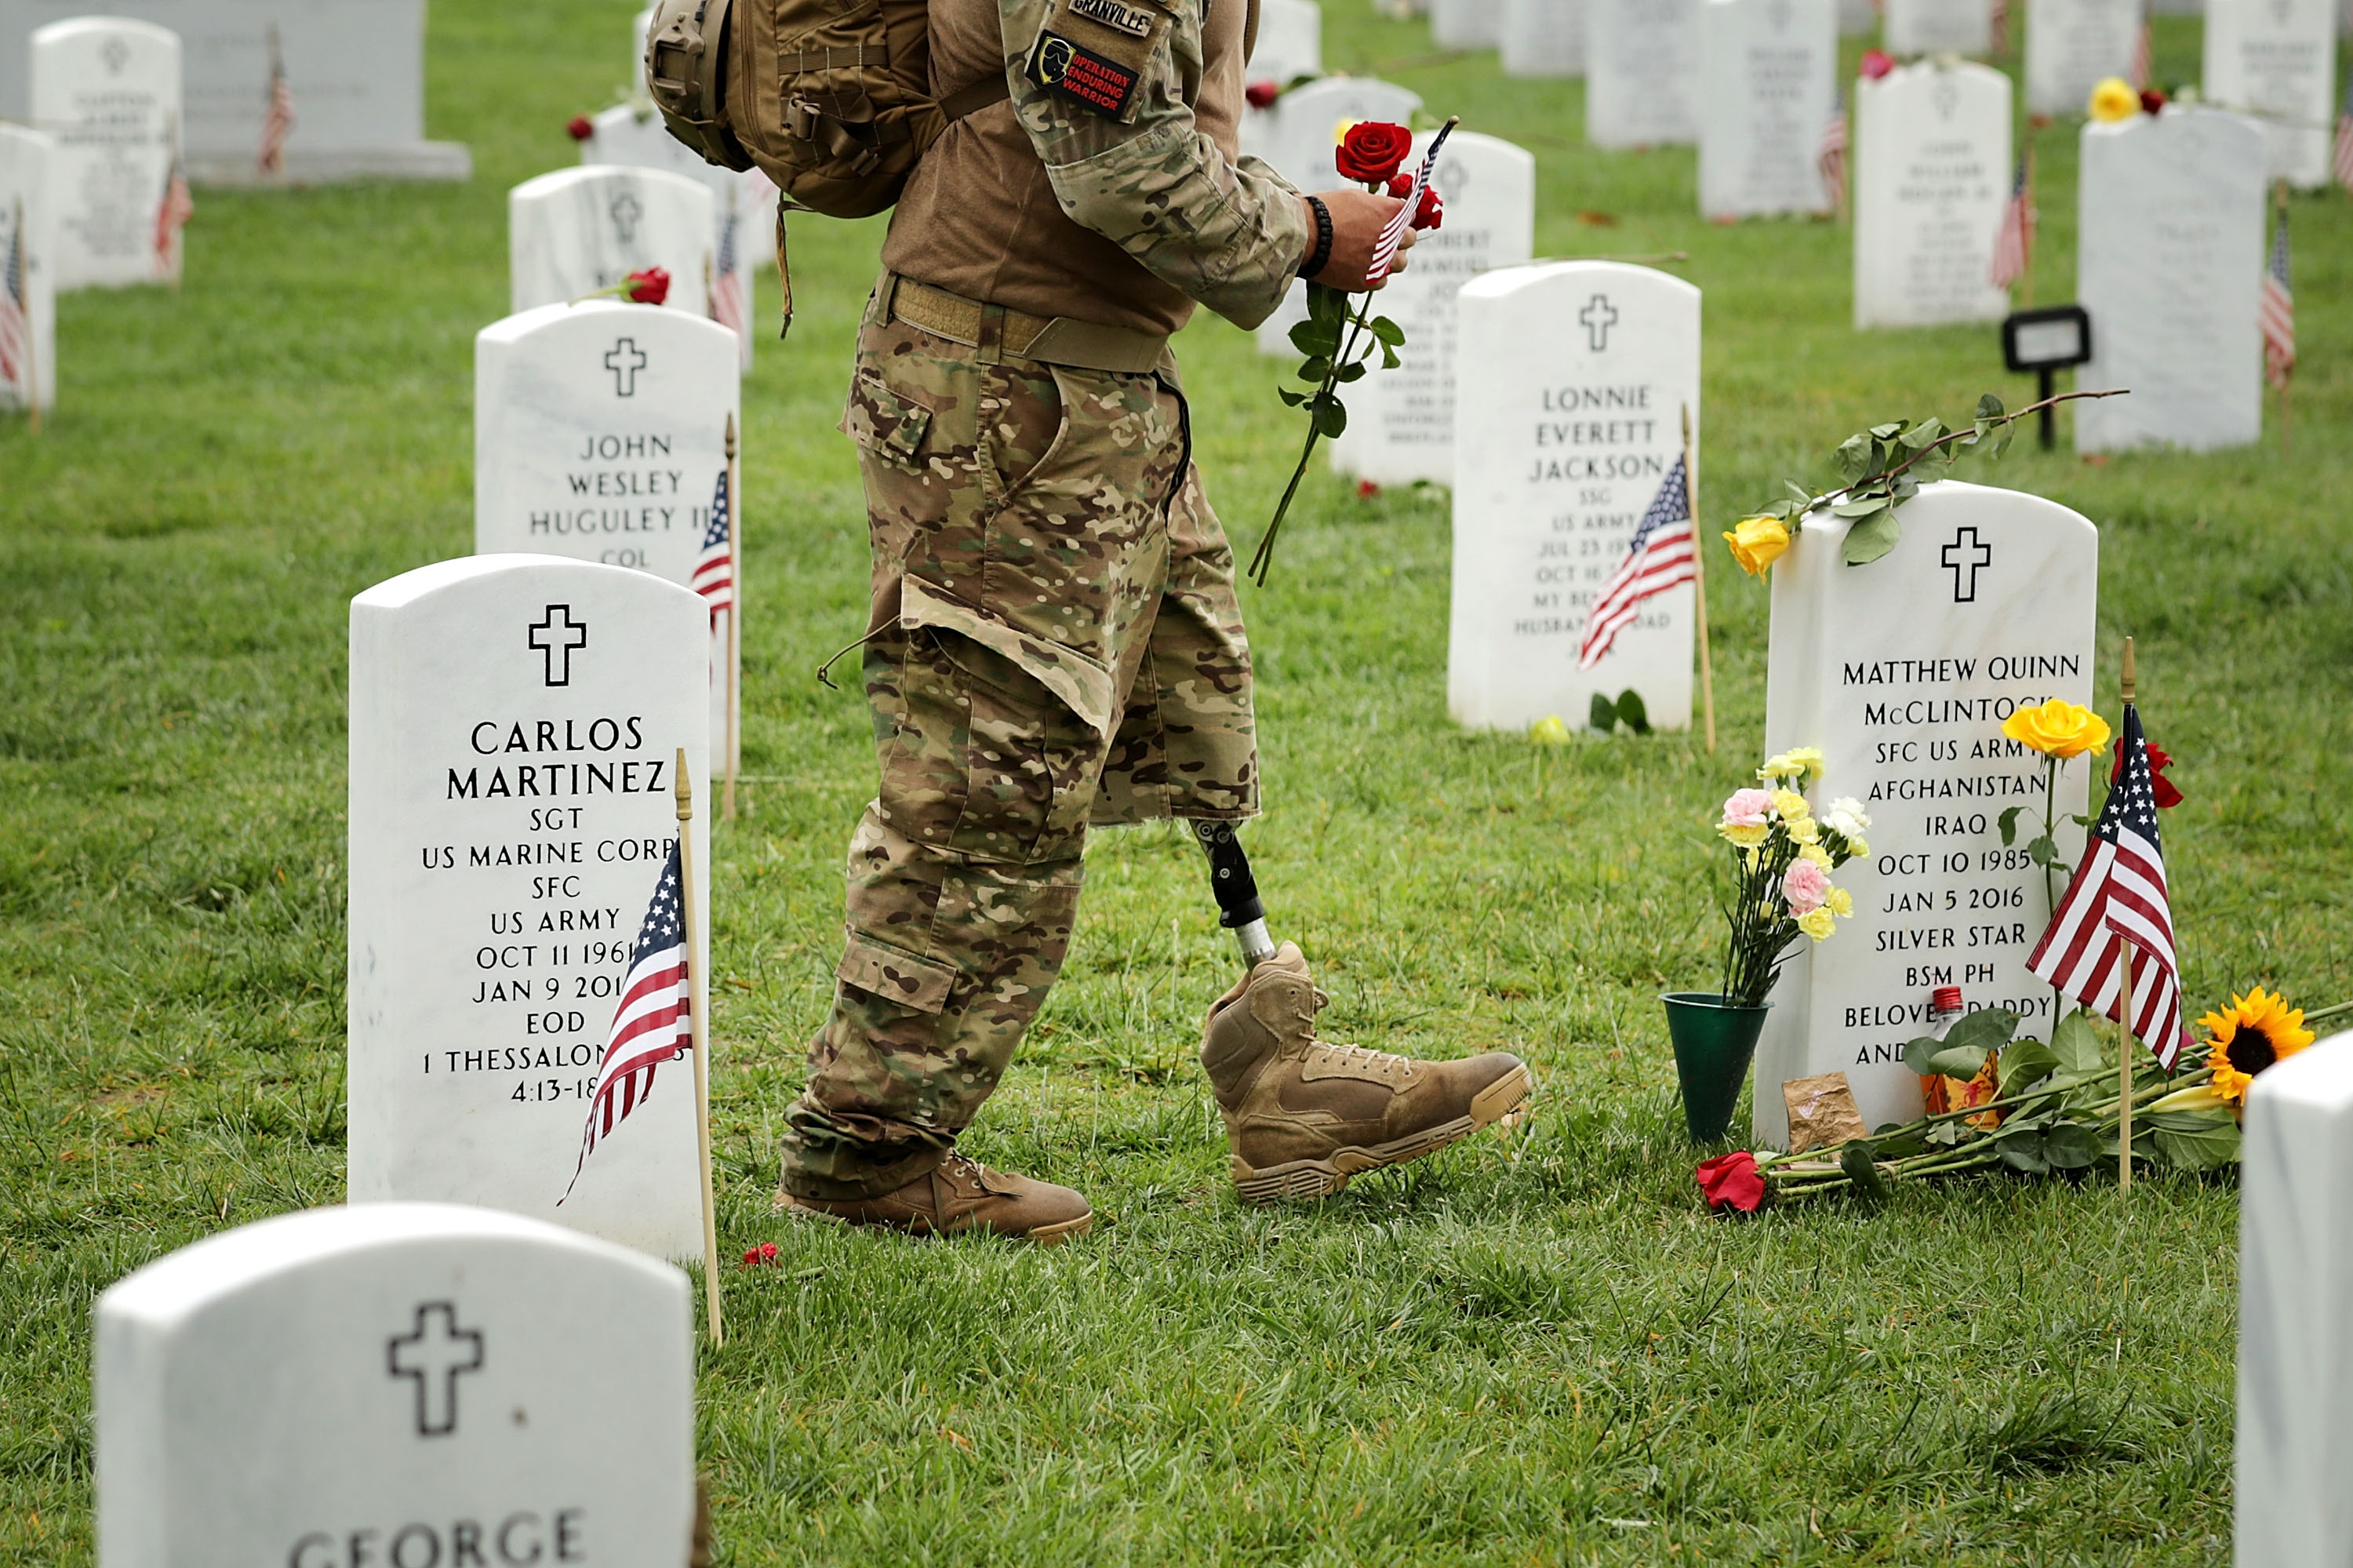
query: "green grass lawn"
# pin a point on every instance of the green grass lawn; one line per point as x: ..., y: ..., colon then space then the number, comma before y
x: 1537, y: 1349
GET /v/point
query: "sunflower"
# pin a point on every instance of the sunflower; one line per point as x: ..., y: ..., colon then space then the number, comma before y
x: 2258, y: 1029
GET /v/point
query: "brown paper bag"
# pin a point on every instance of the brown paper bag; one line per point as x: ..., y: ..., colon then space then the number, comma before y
x: 1821, y: 1111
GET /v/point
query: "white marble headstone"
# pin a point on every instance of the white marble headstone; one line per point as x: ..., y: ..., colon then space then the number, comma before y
x: 28, y: 371
x: 108, y: 89
x: 1769, y: 79
x: 1902, y: 672
x: 1307, y: 125
x: 1641, y: 72
x: 641, y: 27
x: 1932, y: 174
x: 2169, y: 267
x: 515, y: 720
x: 1857, y: 17
x: 1289, y: 46
x: 1940, y: 26
x: 577, y: 230
x: 2296, y: 1295
x: 1544, y: 37
x: 1401, y: 421
x: 395, y: 1384
x: 630, y: 139
x: 2072, y: 46
x: 1561, y: 440
x: 1466, y: 23
x: 355, y: 67
x: 600, y: 433
x: 2277, y: 59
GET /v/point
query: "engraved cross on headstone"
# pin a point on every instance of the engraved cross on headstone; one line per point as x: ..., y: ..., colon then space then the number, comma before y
x: 554, y: 636
x: 432, y: 1356
x: 116, y: 54
x: 625, y: 359
x: 626, y: 211
x: 1963, y: 557
x: 1598, y: 316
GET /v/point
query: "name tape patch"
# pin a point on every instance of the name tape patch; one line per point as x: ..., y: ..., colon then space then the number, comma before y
x: 1112, y: 13
x: 1078, y: 73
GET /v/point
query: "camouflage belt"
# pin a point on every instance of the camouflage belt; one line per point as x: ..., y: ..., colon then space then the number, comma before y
x: 997, y: 331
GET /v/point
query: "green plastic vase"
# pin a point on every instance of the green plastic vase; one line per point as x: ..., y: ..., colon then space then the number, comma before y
x: 1714, y: 1041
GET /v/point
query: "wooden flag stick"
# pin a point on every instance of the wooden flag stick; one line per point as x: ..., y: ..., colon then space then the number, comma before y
x: 1699, y: 584
x: 734, y: 618
x: 698, y: 1002
x: 2125, y: 1012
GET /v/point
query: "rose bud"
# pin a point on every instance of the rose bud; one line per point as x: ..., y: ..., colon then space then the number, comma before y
x: 648, y: 287
x: 1431, y: 211
x: 1262, y: 94
x: 579, y: 128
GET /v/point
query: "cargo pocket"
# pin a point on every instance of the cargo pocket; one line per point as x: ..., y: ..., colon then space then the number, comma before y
x: 890, y: 425
x: 920, y: 985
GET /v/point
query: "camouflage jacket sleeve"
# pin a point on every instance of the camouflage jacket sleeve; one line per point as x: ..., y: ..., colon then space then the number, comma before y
x: 1105, y: 89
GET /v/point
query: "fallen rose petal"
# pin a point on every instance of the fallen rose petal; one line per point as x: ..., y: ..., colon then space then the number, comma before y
x: 1731, y: 1180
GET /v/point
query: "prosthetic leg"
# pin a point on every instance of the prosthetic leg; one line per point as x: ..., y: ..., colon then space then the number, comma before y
x: 1238, y: 909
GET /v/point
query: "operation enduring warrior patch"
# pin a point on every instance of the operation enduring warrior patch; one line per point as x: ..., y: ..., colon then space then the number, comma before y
x: 1080, y: 74
x: 1112, y: 13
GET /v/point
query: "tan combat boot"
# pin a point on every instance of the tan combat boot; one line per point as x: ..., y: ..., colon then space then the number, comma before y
x: 1302, y: 1115
x: 960, y: 1194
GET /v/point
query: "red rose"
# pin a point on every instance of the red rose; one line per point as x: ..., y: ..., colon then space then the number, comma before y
x: 1730, y: 1180
x: 648, y: 287
x: 1366, y: 490
x: 2152, y: 100
x: 767, y: 1251
x: 1262, y: 94
x: 1876, y: 63
x: 1431, y: 212
x: 1400, y: 186
x: 1372, y: 150
x: 579, y: 128
x: 751, y: 1257
x: 2167, y: 795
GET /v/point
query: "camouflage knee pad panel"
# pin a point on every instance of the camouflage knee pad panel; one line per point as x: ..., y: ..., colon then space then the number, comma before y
x: 1056, y: 641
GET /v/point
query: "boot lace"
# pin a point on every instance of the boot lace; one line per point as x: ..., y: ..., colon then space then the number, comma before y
x: 1382, y: 1065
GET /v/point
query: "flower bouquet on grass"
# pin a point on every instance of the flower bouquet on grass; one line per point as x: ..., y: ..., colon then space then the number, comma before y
x: 2001, y: 1102
x: 1782, y: 857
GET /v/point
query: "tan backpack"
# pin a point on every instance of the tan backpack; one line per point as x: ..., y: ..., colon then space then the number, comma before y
x: 831, y: 98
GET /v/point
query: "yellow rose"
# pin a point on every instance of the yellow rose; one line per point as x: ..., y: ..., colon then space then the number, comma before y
x: 1549, y: 731
x: 2113, y: 99
x: 1757, y: 543
x: 1817, y: 924
x: 1839, y: 901
x: 2058, y: 728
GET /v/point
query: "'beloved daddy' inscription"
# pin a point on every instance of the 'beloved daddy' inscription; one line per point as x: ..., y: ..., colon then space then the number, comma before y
x: 514, y: 723
x: 1903, y: 672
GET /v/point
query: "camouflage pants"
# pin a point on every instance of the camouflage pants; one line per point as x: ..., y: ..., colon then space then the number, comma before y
x: 1056, y: 643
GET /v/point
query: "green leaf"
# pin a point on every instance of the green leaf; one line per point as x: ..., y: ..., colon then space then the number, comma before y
x: 1328, y: 304
x: 1861, y: 1168
x: 1631, y: 708
x: 2071, y: 1146
x: 2009, y: 820
x: 1871, y: 539
x: 1313, y: 336
x: 1798, y: 496
x: 1389, y: 360
x: 1888, y: 432
x: 1989, y: 406
x: 1918, y: 1050
x: 1388, y: 331
x: 2042, y: 850
x: 1331, y: 418
x: 1603, y: 714
x: 1351, y: 373
x: 2023, y: 1149
x: 2196, y: 1141
x: 1987, y: 1029
x: 1854, y: 458
x: 1921, y: 434
x: 1290, y: 398
x: 1895, y: 1143
x: 1862, y: 506
x: 2025, y: 1061
x: 1313, y: 370
x: 1962, y: 1062
x: 2002, y: 441
x: 1905, y: 488
x: 2077, y: 1045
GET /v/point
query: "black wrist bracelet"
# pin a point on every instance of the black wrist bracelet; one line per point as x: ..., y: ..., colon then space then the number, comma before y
x: 1320, y: 257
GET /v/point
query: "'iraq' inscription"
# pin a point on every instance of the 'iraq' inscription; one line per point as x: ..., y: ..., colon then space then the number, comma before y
x: 514, y: 725
x: 1903, y: 672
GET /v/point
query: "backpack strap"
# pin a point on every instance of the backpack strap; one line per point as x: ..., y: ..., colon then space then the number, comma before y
x: 988, y: 92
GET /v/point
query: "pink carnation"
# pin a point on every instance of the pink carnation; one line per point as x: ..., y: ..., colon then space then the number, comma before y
x: 1805, y: 885
x: 1747, y: 807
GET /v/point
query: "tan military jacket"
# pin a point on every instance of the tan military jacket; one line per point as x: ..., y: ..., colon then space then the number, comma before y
x: 1108, y: 189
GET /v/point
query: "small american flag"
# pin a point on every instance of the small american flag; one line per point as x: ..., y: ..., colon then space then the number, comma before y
x: 2277, y: 312
x: 1660, y: 556
x: 655, y: 1022
x: 2014, y: 246
x: 727, y: 276
x: 278, y: 120
x: 714, y: 569
x: 173, y: 215
x: 14, y: 334
x: 2343, y: 161
x: 1385, y: 248
x: 2119, y: 896
x: 1998, y: 27
x: 2138, y: 72
x: 1830, y: 157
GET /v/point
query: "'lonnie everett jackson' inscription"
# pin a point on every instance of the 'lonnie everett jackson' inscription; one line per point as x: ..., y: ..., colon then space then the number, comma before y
x: 1902, y: 672
x: 513, y: 730
x: 1562, y: 439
